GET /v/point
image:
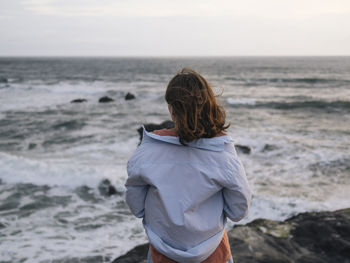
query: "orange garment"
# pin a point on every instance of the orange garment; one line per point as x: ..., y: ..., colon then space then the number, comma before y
x: 165, y: 132
x: 221, y: 254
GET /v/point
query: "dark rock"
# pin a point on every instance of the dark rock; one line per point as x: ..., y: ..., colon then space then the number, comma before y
x: 105, y: 99
x: 308, y: 237
x: 136, y: 255
x: 107, y: 189
x: 269, y: 147
x: 328, y: 237
x: 305, y: 238
x: 151, y: 127
x: 78, y: 101
x: 129, y: 96
x: 31, y: 146
x: 243, y: 149
x: 2, y: 225
x: 3, y: 80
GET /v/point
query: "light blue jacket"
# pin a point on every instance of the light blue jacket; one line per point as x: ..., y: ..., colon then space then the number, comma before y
x: 185, y: 193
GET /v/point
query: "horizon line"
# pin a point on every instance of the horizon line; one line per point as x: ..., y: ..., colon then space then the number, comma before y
x: 160, y: 56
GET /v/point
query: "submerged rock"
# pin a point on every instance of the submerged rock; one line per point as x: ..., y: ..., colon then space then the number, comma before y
x: 78, y: 101
x: 3, y: 80
x: 106, y: 188
x: 105, y: 99
x: 243, y: 149
x: 269, y: 147
x: 305, y: 238
x: 129, y: 96
x: 32, y: 146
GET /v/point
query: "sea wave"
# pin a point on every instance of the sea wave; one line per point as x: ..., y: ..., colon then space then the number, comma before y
x: 313, y: 104
x: 297, y: 80
x: 303, y: 80
x: 308, y: 104
x: 19, y: 169
x: 241, y: 101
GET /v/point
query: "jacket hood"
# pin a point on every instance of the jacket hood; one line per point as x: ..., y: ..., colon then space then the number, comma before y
x: 213, y: 144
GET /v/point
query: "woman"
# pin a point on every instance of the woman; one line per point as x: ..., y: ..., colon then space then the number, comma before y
x: 184, y: 182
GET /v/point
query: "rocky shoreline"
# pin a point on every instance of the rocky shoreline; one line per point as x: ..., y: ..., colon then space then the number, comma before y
x: 308, y: 237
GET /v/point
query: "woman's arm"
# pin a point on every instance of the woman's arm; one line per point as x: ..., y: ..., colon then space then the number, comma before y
x: 136, y: 191
x: 236, y: 194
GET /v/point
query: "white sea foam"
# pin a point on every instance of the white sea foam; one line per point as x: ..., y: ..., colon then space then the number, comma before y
x: 241, y: 101
x: 19, y: 169
x: 41, y: 95
x: 78, y: 229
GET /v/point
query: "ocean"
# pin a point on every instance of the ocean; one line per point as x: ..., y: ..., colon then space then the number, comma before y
x: 293, y: 112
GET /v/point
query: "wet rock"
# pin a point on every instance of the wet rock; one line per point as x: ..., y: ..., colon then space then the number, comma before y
x: 308, y: 237
x: 129, y: 96
x: 305, y: 238
x: 136, y: 255
x: 152, y: 126
x: 107, y: 189
x: 269, y: 147
x: 243, y: 149
x: 78, y: 101
x: 3, y: 80
x: 31, y: 146
x: 326, y: 234
x: 105, y: 99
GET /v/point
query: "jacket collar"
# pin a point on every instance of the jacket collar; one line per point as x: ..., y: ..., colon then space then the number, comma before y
x: 213, y: 144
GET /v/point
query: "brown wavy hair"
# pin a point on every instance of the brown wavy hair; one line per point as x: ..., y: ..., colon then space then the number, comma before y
x: 197, y: 114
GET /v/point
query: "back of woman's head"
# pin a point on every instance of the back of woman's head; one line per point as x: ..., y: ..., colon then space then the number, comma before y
x: 196, y: 112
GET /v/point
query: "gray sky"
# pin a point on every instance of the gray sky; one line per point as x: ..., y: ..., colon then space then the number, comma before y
x: 174, y: 28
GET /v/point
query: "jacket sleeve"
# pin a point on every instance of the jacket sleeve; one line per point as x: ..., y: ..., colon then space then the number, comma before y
x: 136, y: 191
x: 236, y: 193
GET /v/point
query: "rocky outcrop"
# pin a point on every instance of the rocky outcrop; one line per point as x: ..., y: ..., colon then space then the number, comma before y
x: 106, y: 188
x: 78, y: 101
x: 105, y: 99
x: 3, y: 80
x: 136, y: 255
x: 129, y: 96
x: 243, y: 149
x: 305, y: 238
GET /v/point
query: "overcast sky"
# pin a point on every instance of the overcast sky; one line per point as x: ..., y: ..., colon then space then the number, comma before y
x: 174, y: 27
